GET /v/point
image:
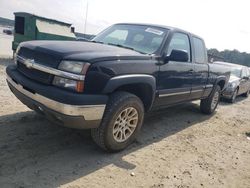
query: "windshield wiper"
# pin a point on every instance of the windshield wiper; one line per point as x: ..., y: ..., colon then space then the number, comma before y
x: 127, y: 47
x: 97, y: 41
x: 119, y: 45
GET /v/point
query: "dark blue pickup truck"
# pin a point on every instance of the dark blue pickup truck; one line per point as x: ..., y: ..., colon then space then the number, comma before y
x: 108, y: 83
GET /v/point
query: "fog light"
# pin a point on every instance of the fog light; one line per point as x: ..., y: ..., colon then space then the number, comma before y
x: 69, y: 84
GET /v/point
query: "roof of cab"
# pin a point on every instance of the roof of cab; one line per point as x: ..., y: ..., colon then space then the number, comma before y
x: 161, y: 26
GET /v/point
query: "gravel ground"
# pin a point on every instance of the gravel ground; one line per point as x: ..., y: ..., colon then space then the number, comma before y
x: 177, y: 147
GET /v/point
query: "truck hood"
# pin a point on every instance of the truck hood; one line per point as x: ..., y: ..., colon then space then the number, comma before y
x: 233, y: 79
x: 83, y: 51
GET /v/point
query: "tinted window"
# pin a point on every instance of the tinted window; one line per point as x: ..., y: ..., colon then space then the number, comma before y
x: 19, y: 25
x: 179, y: 41
x: 138, y: 38
x: 142, y: 38
x: 199, y: 50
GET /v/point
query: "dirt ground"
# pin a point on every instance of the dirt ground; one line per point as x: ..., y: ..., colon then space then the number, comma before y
x: 5, y: 44
x: 177, y: 147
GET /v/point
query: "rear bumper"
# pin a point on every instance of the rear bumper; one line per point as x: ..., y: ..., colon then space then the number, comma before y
x: 80, y: 116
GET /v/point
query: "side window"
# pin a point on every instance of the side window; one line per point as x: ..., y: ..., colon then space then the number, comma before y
x: 180, y: 41
x: 199, y: 50
x: 244, y: 73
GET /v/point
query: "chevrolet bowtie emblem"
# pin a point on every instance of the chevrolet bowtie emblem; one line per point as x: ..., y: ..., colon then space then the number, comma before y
x: 29, y: 63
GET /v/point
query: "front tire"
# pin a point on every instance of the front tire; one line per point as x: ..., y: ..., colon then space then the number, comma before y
x: 121, y: 123
x: 209, y: 105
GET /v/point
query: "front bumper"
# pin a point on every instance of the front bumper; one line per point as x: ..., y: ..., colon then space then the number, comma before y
x: 228, y: 93
x: 81, y: 116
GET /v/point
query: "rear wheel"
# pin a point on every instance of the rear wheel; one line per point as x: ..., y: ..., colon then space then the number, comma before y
x: 209, y: 105
x: 121, y: 122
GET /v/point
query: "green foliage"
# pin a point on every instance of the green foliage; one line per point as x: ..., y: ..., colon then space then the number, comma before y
x: 232, y: 56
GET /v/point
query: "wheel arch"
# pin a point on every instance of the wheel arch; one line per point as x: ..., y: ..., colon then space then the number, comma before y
x: 221, y: 81
x: 141, y: 85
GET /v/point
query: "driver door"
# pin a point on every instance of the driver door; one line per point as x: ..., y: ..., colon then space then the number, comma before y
x: 175, y: 78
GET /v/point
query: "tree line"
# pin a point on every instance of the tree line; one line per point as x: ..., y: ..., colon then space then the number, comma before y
x: 232, y: 56
x: 6, y: 22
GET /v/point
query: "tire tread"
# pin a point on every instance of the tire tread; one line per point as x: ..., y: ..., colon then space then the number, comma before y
x: 98, y: 134
x: 205, y: 104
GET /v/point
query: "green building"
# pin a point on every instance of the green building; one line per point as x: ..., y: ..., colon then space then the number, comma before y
x: 31, y: 27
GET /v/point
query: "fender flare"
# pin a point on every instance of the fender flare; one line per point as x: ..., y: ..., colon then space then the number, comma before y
x: 221, y: 78
x: 123, y: 80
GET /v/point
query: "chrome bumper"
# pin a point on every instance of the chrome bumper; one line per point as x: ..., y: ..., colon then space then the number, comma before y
x: 89, y: 112
x: 228, y: 93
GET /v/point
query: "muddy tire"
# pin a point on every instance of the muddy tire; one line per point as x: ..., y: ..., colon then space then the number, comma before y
x: 209, y: 105
x: 121, y: 123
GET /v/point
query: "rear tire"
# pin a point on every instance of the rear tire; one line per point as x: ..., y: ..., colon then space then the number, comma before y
x: 209, y: 105
x: 121, y: 123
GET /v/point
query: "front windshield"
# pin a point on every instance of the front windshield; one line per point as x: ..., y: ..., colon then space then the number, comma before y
x: 145, y: 39
x: 236, y: 72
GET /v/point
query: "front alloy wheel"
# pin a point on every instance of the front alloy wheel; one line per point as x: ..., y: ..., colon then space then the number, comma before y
x: 215, y: 100
x: 121, y: 123
x: 209, y: 105
x: 125, y: 124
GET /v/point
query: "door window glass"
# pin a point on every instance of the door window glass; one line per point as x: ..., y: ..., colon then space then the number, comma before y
x: 179, y: 41
x: 199, y: 50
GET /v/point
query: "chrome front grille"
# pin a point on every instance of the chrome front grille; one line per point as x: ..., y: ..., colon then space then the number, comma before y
x: 34, y: 74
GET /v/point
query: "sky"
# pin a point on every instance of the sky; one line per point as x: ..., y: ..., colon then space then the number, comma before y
x: 224, y: 24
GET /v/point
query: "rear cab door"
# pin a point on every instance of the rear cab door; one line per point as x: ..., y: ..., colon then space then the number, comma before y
x: 201, y: 68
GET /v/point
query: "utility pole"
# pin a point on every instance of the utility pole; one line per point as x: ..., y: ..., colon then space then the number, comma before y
x: 86, y: 18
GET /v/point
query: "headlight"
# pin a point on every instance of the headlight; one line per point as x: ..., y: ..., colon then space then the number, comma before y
x: 232, y: 85
x: 68, y: 84
x: 72, y: 67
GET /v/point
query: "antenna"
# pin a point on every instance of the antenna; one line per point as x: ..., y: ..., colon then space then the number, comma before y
x: 86, y: 17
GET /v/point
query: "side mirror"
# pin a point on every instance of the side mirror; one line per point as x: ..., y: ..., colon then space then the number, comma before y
x: 177, y: 55
x: 245, y: 78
